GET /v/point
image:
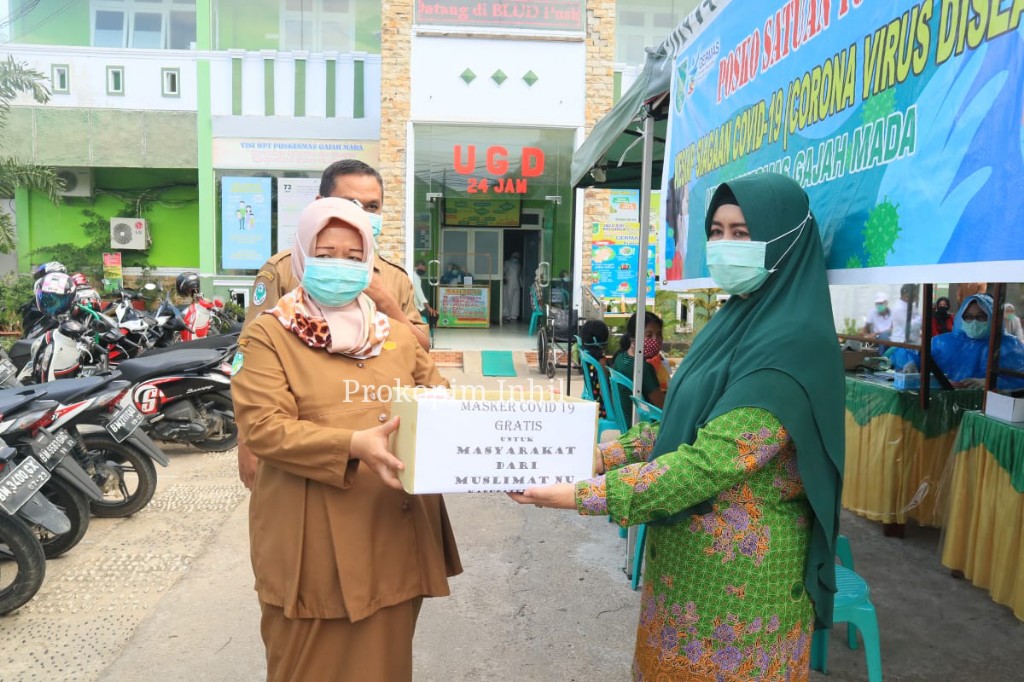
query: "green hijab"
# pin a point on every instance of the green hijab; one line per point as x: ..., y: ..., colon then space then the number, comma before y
x: 775, y: 349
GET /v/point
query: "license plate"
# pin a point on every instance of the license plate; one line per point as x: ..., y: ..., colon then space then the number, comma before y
x: 21, y: 483
x: 50, y: 449
x: 124, y: 422
x: 7, y: 369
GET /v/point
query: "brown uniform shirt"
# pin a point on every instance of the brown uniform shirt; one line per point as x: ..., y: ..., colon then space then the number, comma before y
x: 328, y: 539
x: 275, y: 279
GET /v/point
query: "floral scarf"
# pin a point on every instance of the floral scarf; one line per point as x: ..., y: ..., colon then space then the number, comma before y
x: 298, y: 314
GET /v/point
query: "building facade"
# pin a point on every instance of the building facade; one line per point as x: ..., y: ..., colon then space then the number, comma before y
x: 211, y: 120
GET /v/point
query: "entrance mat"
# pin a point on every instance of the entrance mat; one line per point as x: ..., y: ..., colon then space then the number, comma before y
x: 497, y: 363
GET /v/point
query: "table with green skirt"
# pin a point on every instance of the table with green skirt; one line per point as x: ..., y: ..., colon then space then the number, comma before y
x: 984, y: 532
x: 896, y: 452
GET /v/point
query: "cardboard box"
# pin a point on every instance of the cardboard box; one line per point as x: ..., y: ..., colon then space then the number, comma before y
x: 1004, y: 407
x: 460, y: 441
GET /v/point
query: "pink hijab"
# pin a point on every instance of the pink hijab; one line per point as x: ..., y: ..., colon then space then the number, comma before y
x: 357, y: 329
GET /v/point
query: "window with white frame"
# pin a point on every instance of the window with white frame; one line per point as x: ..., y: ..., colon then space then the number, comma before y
x: 115, y: 80
x: 645, y: 23
x: 60, y: 79
x: 171, y: 82
x: 150, y: 24
x: 317, y: 25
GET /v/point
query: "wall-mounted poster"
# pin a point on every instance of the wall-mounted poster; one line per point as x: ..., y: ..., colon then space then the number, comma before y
x: 245, y: 222
x: 113, y: 273
x: 293, y: 195
x: 615, y: 261
x: 464, y: 306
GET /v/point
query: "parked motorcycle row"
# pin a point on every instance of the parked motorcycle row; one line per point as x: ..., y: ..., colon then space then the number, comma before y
x: 84, y: 397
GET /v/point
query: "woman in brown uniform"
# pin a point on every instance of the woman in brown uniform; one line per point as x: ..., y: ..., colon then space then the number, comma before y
x: 342, y: 556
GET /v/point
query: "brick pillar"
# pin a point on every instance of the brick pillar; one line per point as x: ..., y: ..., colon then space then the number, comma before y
x: 600, y: 76
x: 395, y: 87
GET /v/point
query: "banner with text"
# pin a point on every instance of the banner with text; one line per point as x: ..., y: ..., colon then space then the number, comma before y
x: 245, y: 222
x: 902, y: 120
x: 542, y: 16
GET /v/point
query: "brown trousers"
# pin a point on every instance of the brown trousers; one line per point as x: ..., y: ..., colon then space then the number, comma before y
x: 375, y: 649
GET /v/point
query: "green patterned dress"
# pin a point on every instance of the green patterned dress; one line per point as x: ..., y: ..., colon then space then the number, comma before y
x: 723, y: 595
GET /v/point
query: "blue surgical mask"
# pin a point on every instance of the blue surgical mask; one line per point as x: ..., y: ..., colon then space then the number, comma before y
x: 738, y: 267
x: 376, y: 224
x: 976, y: 329
x: 335, y: 282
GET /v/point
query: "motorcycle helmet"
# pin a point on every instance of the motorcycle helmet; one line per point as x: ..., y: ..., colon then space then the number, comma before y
x: 79, y: 280
x: 187, y: 284
x: 55, y: 294
x: 47, y: 268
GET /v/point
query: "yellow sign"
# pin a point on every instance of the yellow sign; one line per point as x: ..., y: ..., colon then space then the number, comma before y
x: 502, y: 212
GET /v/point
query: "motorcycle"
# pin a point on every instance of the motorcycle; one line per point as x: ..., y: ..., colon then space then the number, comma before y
x: 185, y: 395
x: 19, y: 550
x: 98, y: 415
x: 26, y: 414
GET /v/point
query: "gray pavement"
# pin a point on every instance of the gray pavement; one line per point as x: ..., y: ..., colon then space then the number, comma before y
x: 167, y: 595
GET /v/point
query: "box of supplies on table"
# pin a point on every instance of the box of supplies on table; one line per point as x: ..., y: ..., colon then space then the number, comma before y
x: 1004, y: 407
x: 461, y: 441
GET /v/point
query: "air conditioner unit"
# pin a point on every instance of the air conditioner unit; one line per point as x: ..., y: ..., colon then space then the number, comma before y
x: 77, y: 182
x: 129, y: 234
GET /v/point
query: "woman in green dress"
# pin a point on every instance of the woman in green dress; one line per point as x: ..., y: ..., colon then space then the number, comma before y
x: 741, y: 485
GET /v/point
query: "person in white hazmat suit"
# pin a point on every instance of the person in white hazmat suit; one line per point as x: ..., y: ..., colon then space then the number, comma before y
x: 513, y: 291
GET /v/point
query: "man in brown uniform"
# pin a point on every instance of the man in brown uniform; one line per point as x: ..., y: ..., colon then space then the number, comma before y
x: 391, y: 287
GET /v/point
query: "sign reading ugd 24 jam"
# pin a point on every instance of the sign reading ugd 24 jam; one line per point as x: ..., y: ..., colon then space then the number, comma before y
x: 902, y: 120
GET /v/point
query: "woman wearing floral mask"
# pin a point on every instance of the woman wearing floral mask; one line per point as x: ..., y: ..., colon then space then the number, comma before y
x: 650, y: 347
x: 962, y: 354
x: 342, y: 556
x: 741, y: 484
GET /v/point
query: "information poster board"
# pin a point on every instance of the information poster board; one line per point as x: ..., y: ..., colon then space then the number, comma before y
x: 901, y: 119
x: 464, y: 307
x: 293, y: 195
x: 245, y: 222
x: 615, y: 261
x: 481, y: 212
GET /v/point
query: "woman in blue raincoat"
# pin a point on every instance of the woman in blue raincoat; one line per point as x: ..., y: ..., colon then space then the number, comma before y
x: 963, y: 353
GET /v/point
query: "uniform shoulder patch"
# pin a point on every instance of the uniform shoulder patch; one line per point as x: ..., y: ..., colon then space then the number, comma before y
x: 268, y: 275
x: 236, y: 364
x: 259, y: 294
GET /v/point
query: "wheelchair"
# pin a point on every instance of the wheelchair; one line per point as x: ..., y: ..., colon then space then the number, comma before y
x: 557, y: 334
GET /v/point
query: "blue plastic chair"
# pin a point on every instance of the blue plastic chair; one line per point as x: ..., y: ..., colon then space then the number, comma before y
x: 852, y: 606
x: 538, y: 311
x: 620, y: 380
x: 588, y: 385
x: 646, y: 411
x: 589, y: 363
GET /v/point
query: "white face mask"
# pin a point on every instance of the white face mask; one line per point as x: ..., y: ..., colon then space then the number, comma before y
x: 738, y: 267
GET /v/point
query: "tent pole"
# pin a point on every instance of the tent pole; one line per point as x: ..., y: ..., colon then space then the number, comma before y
x: 645, y: 229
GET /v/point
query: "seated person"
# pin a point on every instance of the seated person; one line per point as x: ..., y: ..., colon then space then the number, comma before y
x: 622, y: 362
x: 454, y: 276
x: 962, y: 354
x: 594, y: 335
x: 879, y: 323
